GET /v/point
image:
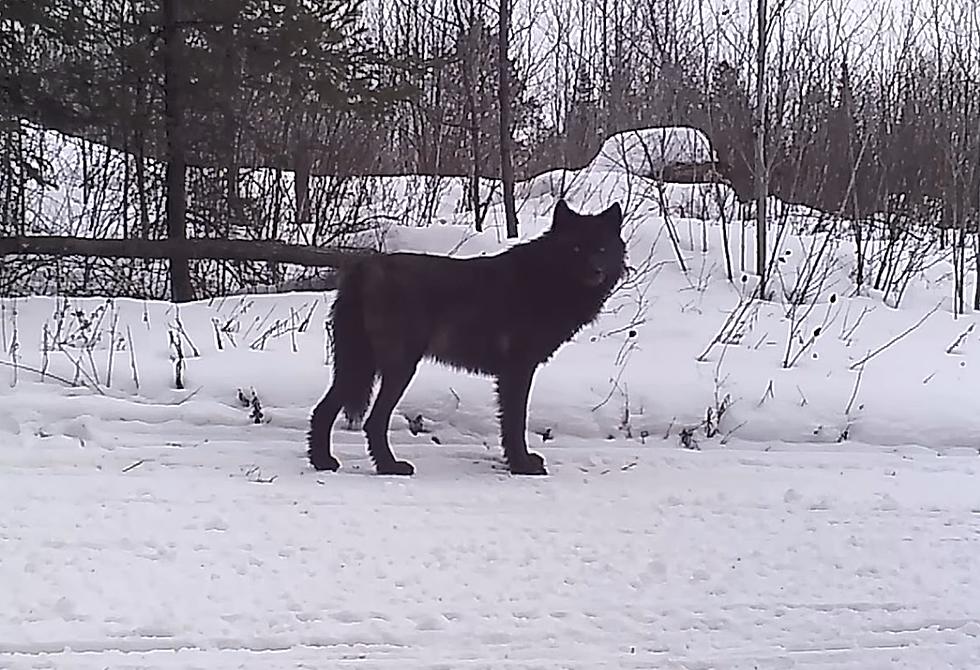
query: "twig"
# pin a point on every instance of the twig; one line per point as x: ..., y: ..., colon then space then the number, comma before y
x: 45, y: 346
x: 728, y: 435
x: 217, y: 334
x: 259, y: 322
x: 183, y: 333
x: 14, y: 353
x: 959, y: 340
x: 734, y: 319
x: 309, y: 317
x: 768, y: 394
x: 133, y: 466
x: 847, y: 332
x: 612, y: 390
x: 132, y: 358
x: 895, y: 339
x: 671, y: 231
x: 854, y: 391
x: 64, y: 381
x: 3, y: 324
x: 178, y: 359
x: 80, y: 371
x: 136, y: 400
x: 112, y: 348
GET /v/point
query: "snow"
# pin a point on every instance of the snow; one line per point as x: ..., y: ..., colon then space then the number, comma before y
x: 627, y: 557
x: 647, y: 151
x: 830, y: 518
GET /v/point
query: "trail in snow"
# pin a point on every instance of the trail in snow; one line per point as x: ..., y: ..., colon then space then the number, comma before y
x: 185, y: 555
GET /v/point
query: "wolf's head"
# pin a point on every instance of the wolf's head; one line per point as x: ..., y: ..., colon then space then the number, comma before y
x: 591, y: 244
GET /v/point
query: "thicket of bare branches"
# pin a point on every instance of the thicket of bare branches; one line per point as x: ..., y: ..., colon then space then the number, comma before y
x: 872, y: 114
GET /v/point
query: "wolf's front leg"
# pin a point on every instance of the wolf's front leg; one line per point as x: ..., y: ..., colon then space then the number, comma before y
x: 513, y: 390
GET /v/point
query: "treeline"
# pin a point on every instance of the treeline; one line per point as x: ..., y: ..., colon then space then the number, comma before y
x: 868, y: 110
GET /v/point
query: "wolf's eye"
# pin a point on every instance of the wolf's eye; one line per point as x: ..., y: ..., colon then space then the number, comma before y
x: 602, y: 250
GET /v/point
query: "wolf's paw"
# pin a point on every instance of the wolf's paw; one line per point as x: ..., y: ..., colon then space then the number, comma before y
x: 321, y: 462
x: 395, y: 468
x: 533, y: 464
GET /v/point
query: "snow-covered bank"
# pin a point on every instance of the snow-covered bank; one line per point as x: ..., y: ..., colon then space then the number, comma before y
x: 646, y: 371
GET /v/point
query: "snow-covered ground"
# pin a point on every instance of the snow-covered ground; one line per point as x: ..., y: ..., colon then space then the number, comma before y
x: 735, y: 483
x: 158, y: 545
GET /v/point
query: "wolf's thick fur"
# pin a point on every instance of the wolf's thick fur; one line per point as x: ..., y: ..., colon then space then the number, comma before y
x: 501, y: 315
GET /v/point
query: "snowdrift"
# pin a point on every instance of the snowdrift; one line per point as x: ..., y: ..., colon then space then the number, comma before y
x: 648, y: 151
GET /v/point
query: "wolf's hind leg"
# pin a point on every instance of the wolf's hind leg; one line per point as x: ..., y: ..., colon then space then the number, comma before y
x: 513, y: 391
x: 321, y: 423
x: 394, y: 380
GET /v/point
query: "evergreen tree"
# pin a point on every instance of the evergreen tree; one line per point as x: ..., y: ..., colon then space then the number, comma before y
x: 730, y: 128
x: 582, y: 136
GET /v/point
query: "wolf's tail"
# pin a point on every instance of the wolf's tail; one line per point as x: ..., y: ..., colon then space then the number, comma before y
x: 354, y: 367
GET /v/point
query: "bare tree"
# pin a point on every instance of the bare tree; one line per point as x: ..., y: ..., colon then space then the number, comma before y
x: 505, y: 100
x: 469, y: 59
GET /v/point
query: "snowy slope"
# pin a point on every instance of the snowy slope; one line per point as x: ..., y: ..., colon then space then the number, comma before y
x: 666, y: 351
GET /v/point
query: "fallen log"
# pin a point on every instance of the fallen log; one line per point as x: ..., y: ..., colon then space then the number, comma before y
x: 197, y: 248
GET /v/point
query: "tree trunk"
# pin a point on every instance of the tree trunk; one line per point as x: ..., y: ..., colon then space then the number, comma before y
x: 503, y: 89
x: 469, y: 84
x: 302, y: 174
x: 9, y: 223
x: 180, y: 275
x: 976, y: 255
x: 761, y: 180
x: 229, y: 111
x: 139, y: 157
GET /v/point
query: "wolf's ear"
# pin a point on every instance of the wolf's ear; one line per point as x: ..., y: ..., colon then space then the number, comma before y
x: 614, y: 215
x: 563, y: 215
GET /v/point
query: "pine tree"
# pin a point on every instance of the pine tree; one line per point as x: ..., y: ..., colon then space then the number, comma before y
x: 582, y: 136
x: 731, y: 128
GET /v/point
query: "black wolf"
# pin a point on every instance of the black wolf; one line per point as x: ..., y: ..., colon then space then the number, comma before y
x: 501, y: 315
